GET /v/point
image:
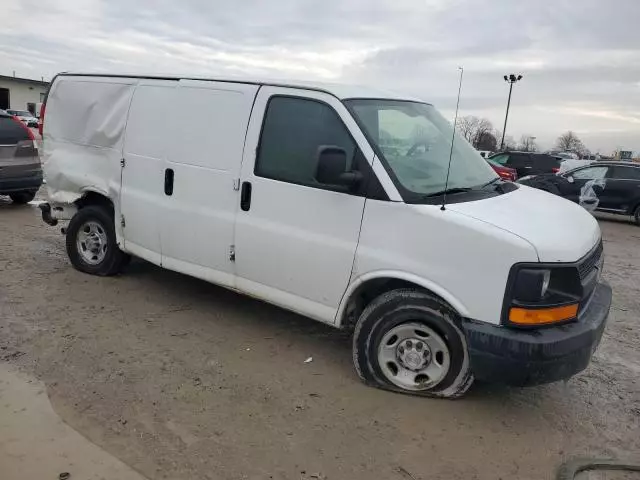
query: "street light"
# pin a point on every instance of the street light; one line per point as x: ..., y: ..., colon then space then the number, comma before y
x: 510, y: 79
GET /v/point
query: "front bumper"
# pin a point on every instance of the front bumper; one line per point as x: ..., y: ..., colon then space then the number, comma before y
x: 532, y: 357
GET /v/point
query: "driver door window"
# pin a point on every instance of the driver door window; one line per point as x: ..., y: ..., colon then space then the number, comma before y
x: 294, y: 130
x: 591, y: 173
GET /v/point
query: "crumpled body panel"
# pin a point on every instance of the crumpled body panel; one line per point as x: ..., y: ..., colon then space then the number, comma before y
x: 83, y: 136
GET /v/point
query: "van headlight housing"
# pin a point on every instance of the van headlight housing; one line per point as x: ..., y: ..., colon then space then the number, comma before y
x: 542, y: 295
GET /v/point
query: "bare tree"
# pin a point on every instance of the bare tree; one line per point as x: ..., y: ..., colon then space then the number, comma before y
x: 483, y: 127
x: 527, y: 144
x: 467, y: 127
x: 487, y: 141
x: 475, y: 130
x: 569, y: 142
x: 509, y: 142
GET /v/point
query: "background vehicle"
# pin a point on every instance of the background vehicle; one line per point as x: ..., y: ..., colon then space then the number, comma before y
x: 328, y: 201
x: 25, y: 117
x: 505, y: 173
x: 571, y: 164
x: 528, y: 163
x: 485, y: 153
x: 617, y: 187
x: 20, y: 170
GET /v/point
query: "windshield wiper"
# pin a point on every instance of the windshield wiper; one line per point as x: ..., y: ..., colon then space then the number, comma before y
x: 448, y: 191
x: 491, y: 182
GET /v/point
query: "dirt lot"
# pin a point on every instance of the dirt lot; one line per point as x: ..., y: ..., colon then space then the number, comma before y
x: 181, y: 379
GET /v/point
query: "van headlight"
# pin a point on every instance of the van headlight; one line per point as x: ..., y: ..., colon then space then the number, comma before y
x: 542, y: 295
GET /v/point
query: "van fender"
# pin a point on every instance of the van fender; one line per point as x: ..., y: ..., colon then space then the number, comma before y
x: 112, y: 194
x: 425, y: 283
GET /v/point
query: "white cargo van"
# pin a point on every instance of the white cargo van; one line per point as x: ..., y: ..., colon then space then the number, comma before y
x: 328, y: 201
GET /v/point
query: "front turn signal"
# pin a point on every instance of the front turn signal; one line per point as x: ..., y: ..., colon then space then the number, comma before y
x: 542, y: 316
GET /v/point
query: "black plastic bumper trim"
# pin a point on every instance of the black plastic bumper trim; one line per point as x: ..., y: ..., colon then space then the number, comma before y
x: 531, y: 357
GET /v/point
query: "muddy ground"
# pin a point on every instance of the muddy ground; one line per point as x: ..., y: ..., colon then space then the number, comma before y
x: 181, y: 379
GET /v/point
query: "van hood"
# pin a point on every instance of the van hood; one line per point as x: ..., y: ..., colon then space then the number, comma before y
x: 558, y: 229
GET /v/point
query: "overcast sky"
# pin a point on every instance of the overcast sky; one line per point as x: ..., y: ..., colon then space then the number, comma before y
x: 580, y: 58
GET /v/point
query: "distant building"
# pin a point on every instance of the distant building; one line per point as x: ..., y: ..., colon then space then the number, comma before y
x: 21, y: 93
x: 625, y: 155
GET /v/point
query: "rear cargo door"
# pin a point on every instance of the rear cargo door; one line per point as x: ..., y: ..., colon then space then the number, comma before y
x: 144, y: 154
x: 622, y: 189
x: 208, y: 128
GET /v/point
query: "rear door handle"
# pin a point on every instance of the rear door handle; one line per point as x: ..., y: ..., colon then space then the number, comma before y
x: 245, y: 196
x: 168, y: 181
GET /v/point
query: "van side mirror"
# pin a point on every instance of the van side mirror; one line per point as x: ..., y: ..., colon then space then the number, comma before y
x: 332, y: 167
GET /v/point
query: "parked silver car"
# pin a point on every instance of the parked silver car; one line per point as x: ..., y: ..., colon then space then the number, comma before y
x: 20, y: 169
x: 25, y: 117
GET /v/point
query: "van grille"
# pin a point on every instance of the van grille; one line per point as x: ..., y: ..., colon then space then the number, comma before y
x: 592, y: 259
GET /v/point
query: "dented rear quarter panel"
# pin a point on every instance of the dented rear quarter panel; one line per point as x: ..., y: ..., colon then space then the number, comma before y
x: 83, y: 136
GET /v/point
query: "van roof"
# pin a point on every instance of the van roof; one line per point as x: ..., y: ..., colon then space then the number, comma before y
x: 341, y: 91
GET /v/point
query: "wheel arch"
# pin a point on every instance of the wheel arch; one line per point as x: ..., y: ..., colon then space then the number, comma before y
x: 635, y: 204
x: 91, y: 196
x: 94, y: 197
x: 365, y: 288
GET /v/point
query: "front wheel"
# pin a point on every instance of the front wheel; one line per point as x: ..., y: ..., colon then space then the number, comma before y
x: 91, y: 242
x: 407, y: 341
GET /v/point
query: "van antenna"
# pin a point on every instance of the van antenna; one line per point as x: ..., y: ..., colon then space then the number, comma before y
x: 453, y: 136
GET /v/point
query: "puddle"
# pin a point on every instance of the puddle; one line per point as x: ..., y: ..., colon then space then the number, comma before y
x: 30, y: 429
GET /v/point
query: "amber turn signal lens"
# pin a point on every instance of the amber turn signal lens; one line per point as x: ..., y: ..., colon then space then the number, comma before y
x: 542, y: 316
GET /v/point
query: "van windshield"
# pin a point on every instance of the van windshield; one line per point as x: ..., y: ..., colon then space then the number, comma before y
x: 414, y: 141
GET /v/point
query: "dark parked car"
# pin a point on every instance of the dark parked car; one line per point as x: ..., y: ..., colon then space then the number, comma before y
x: 616, y: 188
x: 528, y: 163
x: 20, y: 169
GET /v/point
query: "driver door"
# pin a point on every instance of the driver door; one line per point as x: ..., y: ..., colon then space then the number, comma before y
x: 580, y: 178
x: 295, y: 238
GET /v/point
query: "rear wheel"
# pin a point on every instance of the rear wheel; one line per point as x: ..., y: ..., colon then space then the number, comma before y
x: 91, y: 242
x: 22, y: 197
x: 636, y: 215
x: 407, y: 341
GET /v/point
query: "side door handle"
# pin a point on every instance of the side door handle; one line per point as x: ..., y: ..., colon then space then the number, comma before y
x: 168, y: 181
x: 245, y: 196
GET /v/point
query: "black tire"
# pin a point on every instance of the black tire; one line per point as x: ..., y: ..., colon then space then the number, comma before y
x: 114, y: 258
x: 22, y: 197
x: 405, y: 306
x: 636, y: 215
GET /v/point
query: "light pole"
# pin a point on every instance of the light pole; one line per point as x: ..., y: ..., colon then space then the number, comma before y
x: 510, y: 79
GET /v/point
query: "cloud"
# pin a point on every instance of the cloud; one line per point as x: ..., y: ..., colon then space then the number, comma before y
x: 580, y: 60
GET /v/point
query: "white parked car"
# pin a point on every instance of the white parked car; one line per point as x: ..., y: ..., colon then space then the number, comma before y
x: 331, y: 201
x: 25, y: 117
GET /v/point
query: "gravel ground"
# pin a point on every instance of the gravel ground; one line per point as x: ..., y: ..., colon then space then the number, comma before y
x: 181, y: 379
